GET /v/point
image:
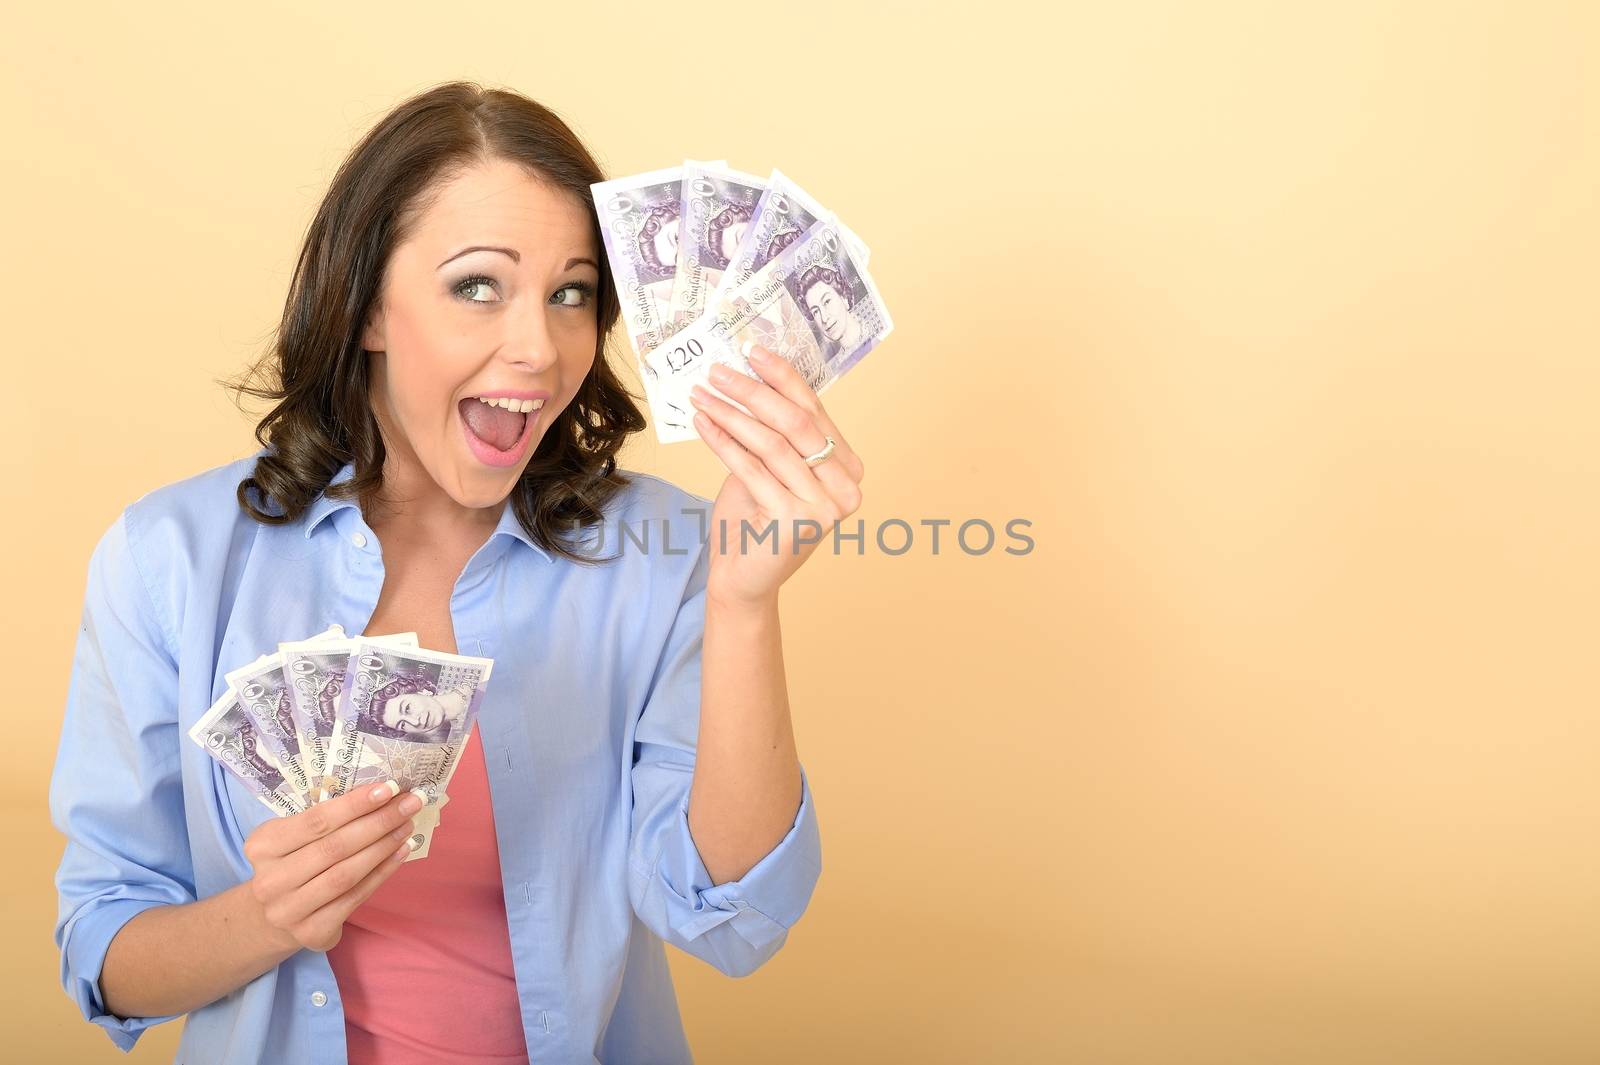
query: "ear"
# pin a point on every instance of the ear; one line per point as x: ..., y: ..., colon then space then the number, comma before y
x: 372, y: 334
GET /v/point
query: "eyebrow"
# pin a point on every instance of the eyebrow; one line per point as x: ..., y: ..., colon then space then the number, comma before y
x: 516, y: 257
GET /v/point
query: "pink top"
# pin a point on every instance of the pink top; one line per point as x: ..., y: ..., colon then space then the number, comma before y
x: 424, y: 965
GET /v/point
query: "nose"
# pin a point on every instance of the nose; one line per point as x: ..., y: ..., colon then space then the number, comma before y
x: 529, y: 344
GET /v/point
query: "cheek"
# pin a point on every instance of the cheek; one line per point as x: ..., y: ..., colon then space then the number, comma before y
x: 577, y: 350
x: 426, y: 363
x: 576, y: 363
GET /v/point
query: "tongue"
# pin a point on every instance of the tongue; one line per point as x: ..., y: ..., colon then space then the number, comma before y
x: 495, y: 426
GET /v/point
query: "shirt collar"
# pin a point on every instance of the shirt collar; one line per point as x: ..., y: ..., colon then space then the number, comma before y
x: 510, y: 526
x: 325, y: 505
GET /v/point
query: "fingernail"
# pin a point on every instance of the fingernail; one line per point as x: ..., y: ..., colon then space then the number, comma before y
x: 385, y: 791
x: 746, y: 348
x: 411, y: 804
x: 698, y: 395
x: 413, y: 843
x: 721, y: 374
x: 405, y: 849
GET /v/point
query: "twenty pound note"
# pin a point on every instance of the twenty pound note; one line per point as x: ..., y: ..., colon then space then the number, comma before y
x: 228, y: 733
x: 782, y: 216
x: 814, y: 305
x: 264, y: 694
x: 314, y: 671
x: 715, y: 210
x: 408, y: 714
x: 640, y: 224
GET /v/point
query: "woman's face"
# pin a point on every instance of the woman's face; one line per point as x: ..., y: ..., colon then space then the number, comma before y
x: 451, y: 325
x: 414, y: 712
x: 828, y: 309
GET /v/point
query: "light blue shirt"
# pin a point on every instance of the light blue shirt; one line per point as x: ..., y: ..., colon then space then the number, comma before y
x: 588, y: 730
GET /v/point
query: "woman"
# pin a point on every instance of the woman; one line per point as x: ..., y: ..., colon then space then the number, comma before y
x: 635, y: 777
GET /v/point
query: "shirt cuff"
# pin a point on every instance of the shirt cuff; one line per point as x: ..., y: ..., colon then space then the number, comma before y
x: 763, y: 903
x: 88, y: 938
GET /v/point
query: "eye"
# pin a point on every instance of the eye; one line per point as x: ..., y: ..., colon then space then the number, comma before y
x: 577, y: 294
x: 471, y: 283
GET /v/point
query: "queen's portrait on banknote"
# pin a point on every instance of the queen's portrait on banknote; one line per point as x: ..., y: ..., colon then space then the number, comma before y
x: 409, y: 708
x: 324, y: 698
x: 658, y: 239
x: 726, y: 231
x: 381, y: 742
x: 827, y: 299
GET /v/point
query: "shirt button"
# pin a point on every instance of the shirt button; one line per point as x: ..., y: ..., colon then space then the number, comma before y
x: 318, y: 998
x: 359, y: 539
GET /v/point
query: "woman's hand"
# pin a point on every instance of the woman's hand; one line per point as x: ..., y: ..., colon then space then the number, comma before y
x: 312, y: 869
x: 769, y: 480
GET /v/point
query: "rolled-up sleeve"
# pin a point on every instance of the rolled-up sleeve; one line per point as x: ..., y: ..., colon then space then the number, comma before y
x: 735, y: 926
x: 115, y: 791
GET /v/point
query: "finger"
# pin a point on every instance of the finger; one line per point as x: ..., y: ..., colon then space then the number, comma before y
x: 277, y: 838
x: 795, y: 419
x: 799, y: 423
x: 321, y: 854
x: 764, y: 488
x: 333, y: 915
x: 342, y: 877
x: 774, y: 449
x: 788, y: 382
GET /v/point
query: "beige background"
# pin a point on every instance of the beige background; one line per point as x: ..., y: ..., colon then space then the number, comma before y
x: 1276, y: 320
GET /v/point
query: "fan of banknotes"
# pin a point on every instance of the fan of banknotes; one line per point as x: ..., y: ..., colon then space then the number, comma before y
x: 707, y: 259
x: 327, y: 715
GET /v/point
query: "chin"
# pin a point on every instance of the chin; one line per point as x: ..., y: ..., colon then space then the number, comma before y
x: 490, y: 495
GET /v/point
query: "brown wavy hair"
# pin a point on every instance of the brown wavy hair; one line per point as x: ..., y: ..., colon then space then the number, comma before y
x: 315, y: 371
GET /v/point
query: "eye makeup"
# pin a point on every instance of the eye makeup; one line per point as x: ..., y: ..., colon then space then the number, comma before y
x: 587, y: 288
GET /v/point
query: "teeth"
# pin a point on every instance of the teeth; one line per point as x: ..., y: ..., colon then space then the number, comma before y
x: 522, y: 406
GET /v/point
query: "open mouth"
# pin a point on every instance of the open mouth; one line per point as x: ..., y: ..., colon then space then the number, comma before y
x: 497, y: 430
